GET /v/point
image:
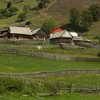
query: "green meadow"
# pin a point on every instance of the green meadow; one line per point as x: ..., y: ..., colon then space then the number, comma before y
x: 56, y: 97
x: 21, y: 64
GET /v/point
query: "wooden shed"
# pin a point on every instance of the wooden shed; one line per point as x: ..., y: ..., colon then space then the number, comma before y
x: 61, y: 37
x: 39, y: 34
x: 76, y: 38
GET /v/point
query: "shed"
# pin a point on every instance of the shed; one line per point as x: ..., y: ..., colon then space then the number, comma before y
x: 39, y: 34
x: 75, y: 37
x: 61, y: 37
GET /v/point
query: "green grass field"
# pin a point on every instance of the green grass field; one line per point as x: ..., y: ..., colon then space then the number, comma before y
x: 15, y: 63
x: 57, y: 97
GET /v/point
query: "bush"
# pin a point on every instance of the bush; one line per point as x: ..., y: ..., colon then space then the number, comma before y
x: 28, y: 23
x: 22, y: 16
x: 13, y: 10
x: 99, y: 54
x: 10, y: 85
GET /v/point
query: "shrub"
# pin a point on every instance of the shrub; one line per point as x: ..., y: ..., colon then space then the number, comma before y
x: 9, y: 4
x: 11, y: 85
x: 13, y: 10
x: 28, y: 23
x: 99, y: 54
x: 22, y: 16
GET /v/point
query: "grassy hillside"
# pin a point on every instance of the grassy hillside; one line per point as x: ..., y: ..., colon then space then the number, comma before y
x: 58, y: 10
x: 61, y: 9
x: 20, y: 5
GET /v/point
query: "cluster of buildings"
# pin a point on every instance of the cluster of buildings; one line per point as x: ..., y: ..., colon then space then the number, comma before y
x: 55, y: 36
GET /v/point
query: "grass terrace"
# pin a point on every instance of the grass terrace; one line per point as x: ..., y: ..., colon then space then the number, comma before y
x: 21, y: 64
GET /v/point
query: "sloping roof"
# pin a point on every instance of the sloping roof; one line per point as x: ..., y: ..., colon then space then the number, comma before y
x: 56, y: 30
x: 35, y: 31
x: 77, y: 38
x: 73, y: 34
x: 38, y: 31
x: 20, y: 30
x: 63, y: 34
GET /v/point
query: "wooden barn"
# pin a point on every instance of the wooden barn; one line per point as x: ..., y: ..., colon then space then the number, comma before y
x: 76, y: 39
x: 19, y: 33
x: 39, y: 34
x: 60, y: 37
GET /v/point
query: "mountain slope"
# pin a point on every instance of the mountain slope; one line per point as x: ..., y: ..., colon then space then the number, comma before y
x: 60, y: 11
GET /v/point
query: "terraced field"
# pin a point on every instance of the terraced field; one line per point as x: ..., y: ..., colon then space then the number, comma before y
x: 20, y: 64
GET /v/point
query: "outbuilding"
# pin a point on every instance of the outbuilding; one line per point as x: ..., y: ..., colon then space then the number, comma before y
x: 60, y: 37
x: 39, y: 34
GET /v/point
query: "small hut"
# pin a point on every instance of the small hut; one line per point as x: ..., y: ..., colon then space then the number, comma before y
x: 60, y: 37
x: 39, y: 34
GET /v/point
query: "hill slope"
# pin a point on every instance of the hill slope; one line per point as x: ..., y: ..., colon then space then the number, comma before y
x: 61, y: 9
x: 58, y: 9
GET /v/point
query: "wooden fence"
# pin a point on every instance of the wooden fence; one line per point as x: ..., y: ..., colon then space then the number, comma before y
x: 47, y: 55
x: 49, y: 74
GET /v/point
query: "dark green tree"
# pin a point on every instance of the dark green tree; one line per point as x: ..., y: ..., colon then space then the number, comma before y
x: 12, y: 10
x: 41, y: 4
x: 95, y: 12
x: 86, y: 20
x: 22, y: 16
x: 9, y: 4
x: 49, y: 25
x: 74, y: 18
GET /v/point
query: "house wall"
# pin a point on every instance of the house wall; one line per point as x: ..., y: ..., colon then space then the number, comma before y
x: 60, y: 40
x: 40, y: 37
x: 19, y: 36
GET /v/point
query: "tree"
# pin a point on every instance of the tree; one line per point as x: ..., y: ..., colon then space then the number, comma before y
x: 9, y: 4
x: 5, y: 13
x: 41, y: 4
x: 95, y: 12
x: 86, y: 20
x: 49, y: 25
x: 12, y: 10
x: 74, y: 18
x: 22, y: 16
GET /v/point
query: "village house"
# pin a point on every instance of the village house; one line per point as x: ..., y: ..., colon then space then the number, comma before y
x: 39, y: 34
x: 17, y: 33
x: 60, y: 37
x: 20, y: 33
x: 58, y: 29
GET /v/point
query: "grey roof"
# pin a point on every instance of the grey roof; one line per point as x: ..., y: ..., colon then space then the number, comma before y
x: 77, y: 38
x: 73, y: 34
x: 35, y: 31
x: 38, y: 31
x: 20, y: 30
x: 63, y: 34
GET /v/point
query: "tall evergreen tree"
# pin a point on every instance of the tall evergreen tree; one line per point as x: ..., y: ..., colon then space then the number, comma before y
x: 95, y: 12
x: 86, y: 21
x: 74, y: 18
